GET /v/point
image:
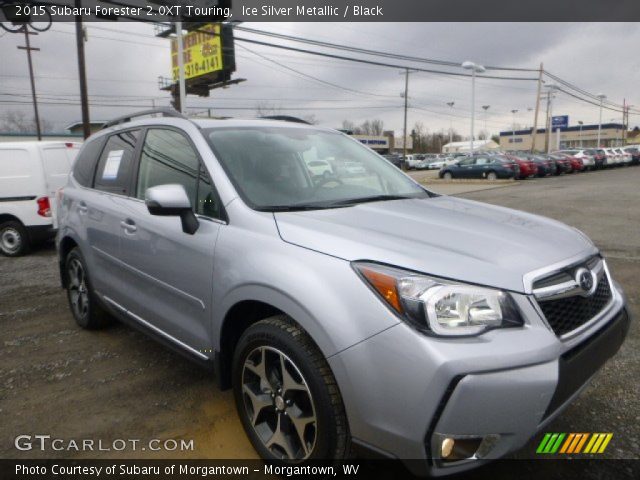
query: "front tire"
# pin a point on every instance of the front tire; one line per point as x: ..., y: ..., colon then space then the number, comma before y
x: 492, y: 176
x: 447, y: 176
x: 84, y: 305
x: 14, y: 240
x: 286, y: 396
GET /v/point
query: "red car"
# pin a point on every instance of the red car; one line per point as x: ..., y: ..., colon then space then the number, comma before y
x: 528, y: 168
x: 576, y: 163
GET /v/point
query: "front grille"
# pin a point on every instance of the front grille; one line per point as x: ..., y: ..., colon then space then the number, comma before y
x: 567, y: 314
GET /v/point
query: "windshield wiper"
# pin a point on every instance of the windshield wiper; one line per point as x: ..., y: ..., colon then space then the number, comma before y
x: 372, y: 198
x: 293, y: 208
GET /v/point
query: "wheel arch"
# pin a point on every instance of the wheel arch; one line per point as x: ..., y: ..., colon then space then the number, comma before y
x: 7, y: 217
x: 246, y: 310
x: 66, y: 244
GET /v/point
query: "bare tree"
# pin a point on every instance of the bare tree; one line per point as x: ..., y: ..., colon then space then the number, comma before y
x: 267, y: 109
x: 16, y: 121
x: 310, y: 118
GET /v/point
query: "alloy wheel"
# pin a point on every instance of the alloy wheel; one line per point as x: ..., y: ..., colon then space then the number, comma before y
x: 279, y: 404
x: 78, y: 292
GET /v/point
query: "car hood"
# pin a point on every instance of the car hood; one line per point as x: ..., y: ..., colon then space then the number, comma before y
x: 442, y: 236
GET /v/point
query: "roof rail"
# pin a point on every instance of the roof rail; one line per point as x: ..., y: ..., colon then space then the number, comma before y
x: 285, y: 118
x: 166, y: 112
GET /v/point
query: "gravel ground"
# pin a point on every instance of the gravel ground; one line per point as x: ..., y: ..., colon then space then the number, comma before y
x: 57, y: 379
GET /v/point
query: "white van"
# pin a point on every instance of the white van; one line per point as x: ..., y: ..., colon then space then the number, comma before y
x: 30, y: 174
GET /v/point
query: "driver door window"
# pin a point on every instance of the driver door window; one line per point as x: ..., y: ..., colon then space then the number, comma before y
x: 168, y: 157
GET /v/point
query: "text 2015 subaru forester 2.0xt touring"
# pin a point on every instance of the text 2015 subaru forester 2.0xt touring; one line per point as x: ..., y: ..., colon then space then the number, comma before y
x: 350, y: 307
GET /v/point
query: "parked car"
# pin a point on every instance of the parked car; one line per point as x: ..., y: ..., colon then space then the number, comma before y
x: 359, y: 312
x: 613, y: 158
x: 587, y: 157
x: 394, y: 159
x: 562, y: 164
x: 319, y: 168
x: 625, y: 157
x: 635, y: 154
x: 491, y: 167
x: 30, y: 174
x: 351, y: 168
x: 546, y: 166
x: 599, y: 157
x: 443, y: 162
x: 412, y: 160
x: 577, y: 164
x: 423, y: 164
x: 528, y: 168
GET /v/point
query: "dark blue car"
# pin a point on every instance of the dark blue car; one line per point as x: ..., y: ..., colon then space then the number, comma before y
x: 486, y: 166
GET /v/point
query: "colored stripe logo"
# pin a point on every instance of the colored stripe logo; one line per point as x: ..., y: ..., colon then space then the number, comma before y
x: 574, y: 443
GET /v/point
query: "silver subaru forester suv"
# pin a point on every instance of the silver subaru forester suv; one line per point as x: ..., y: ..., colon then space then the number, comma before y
x: 350, y: 309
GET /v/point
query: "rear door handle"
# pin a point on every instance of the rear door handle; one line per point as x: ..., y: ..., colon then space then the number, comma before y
x: 82, y: 207
x: 129, y: 226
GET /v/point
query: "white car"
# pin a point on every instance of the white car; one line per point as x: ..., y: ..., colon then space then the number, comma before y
x: 319, y: 168
x: 626, y: 157
x: 613, y: 158
x: 411, y: 161
x: 30, y: 175
x: 445, y: 162
x: 587, y: 159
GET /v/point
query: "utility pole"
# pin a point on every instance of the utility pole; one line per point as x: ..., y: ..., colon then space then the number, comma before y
x: 601, y: 96
x: 534, y: 130
x: 451, y: 104
x: 29, y: 49
x: 547, y: 133
x: 513, y: 128
x: 82, y: 74
x: 181, y: 84
x: 406, y: 106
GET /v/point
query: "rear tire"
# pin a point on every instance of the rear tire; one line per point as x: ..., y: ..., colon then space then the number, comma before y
x: 492, y: 176
x: 14, y: 240
x: 286, y: 396
x: 83, y: 302
x: 447, y: 176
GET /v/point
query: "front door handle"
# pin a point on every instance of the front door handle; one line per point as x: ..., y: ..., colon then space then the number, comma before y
x: 129, y: 226
x: 82, y: 207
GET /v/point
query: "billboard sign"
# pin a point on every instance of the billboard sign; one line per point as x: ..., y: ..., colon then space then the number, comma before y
x: 202, y: 52
x: 561, y: 121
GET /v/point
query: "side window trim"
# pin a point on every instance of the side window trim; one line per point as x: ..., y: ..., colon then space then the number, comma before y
x: 133, y: 191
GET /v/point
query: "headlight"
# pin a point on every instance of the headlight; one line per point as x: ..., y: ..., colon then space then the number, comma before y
x: 441, y: 307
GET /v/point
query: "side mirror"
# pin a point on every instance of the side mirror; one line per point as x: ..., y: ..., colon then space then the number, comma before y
x: 172, y: 201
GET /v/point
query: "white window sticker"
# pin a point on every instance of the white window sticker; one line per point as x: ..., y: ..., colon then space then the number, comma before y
x: 112, y: 165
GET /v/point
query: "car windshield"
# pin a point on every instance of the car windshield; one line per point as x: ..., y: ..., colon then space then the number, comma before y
x: 275, y: 169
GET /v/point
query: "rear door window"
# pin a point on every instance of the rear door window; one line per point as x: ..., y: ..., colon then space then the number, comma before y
x: 114, y: 168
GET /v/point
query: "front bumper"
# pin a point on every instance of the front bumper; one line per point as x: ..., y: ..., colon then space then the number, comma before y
x: 404, y: 392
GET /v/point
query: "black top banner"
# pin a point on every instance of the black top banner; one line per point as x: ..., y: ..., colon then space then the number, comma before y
x: 16, y: 11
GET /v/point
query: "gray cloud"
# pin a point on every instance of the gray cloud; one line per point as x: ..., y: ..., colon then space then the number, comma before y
x: 125, y: 59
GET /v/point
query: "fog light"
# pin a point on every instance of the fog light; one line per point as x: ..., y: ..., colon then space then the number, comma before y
x: 455, y: 449
x: 447, y: 447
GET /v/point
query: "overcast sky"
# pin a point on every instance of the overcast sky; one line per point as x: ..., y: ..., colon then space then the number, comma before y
x: 124, y: 61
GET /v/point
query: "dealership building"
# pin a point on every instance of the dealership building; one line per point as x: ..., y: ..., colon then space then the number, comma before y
x: 586, y: 136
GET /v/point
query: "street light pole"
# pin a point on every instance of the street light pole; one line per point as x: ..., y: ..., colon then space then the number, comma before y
x: 580, y: 122
x: 451, y: 104
x: 486, y: 131
x: 474, y: 69
x: 601, y: 96
x: 513, y: 125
